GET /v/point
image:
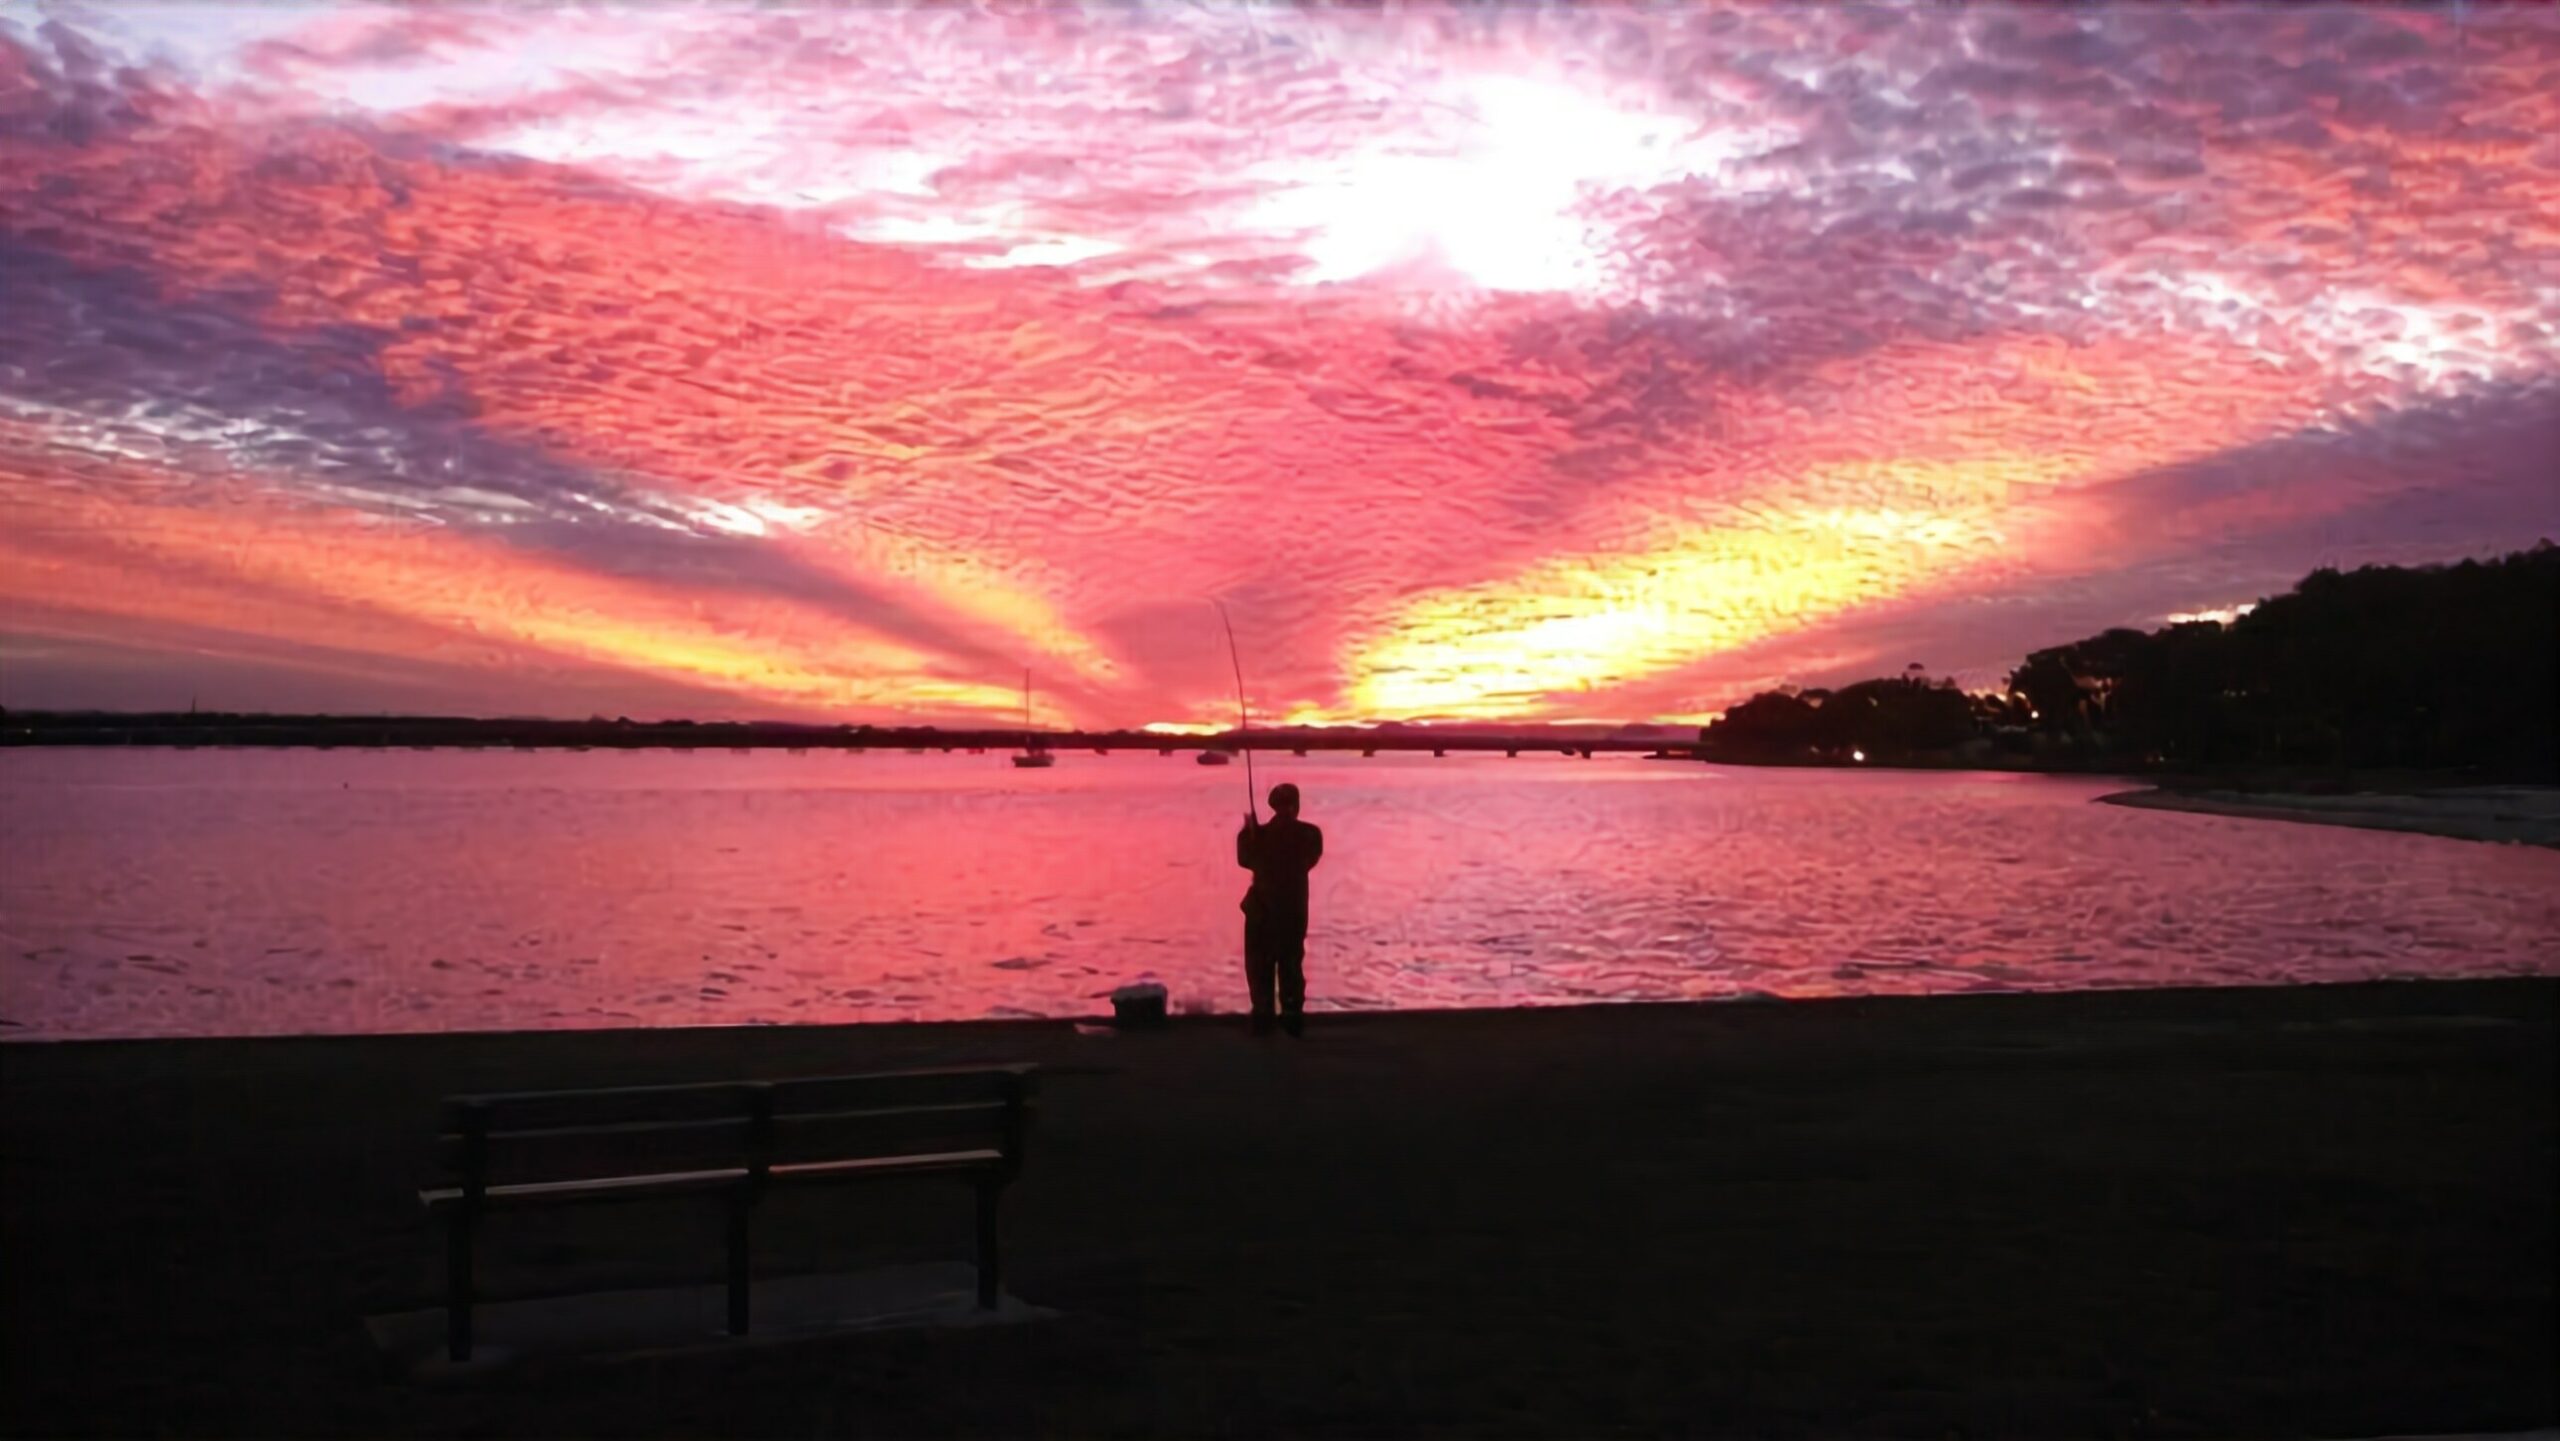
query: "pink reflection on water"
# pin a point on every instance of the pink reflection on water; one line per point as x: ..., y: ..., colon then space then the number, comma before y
x: 199, y: 893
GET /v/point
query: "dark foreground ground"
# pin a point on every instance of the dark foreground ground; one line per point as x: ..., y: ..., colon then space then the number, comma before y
x: 2310, y: 1212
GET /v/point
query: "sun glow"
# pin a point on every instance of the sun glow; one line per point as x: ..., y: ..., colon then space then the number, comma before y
x: 1571, y: 627
x: 1497, y: 193
x: 1512, y: 363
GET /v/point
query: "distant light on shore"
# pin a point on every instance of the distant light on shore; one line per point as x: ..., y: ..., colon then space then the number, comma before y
x: 2225, y: 615
x: 1858, y: 756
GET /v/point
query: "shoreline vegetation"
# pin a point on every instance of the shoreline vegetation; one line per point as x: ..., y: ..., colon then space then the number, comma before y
x: 2319, y: 1211
x: 2401, y: 676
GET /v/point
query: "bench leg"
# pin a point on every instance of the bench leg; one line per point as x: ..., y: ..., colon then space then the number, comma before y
x: 457, y: 1287
x: 738, y: 1210
x: 990, y: 1273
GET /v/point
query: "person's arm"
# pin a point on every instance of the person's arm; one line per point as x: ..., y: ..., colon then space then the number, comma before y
x: 1245, y: 836
x: 1315, y: 846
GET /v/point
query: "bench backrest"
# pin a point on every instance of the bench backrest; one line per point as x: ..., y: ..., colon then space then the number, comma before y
x: 527, y: 1136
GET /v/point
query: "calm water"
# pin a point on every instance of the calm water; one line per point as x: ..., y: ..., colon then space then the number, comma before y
x: 240, y: 892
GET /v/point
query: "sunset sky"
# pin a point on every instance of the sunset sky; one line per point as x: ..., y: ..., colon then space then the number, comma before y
x: 1593, y: 362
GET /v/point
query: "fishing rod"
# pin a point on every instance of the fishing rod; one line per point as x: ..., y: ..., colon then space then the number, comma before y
x: 1252, y: 807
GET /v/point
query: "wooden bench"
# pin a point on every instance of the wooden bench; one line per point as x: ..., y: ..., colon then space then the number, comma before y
x: 735, y: 1141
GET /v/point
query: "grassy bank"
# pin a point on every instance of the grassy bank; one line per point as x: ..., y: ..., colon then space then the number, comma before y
x: 2312, y: 1212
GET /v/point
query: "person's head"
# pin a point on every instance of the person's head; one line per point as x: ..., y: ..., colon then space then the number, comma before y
x: 1284, y: 799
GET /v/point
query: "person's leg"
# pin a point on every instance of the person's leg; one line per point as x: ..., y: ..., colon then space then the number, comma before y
x: 1258, y: 971
x: 1290, y: 960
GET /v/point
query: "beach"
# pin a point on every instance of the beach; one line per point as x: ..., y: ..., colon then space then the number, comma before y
x: 2511, y: 815
x: 2309, y: 1211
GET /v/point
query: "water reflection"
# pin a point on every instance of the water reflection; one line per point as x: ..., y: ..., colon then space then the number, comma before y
x: 152, y: 893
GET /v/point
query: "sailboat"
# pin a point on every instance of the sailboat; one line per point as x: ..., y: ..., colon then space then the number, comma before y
x: 1035, y: 756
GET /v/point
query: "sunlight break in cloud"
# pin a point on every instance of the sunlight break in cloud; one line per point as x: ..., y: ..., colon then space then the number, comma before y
x: 1500, y: 362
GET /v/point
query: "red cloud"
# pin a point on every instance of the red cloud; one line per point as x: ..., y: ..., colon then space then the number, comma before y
x: 852, y: 408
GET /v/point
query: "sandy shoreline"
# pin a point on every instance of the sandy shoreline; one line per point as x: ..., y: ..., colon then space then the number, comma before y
x: 2321, y: 1211
x: 2514, y: 815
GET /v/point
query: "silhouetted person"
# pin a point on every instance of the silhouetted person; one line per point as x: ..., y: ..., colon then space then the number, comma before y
x: 1279, y: 853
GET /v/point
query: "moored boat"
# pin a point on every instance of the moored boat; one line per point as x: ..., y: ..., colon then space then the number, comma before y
x: 1035, y: 756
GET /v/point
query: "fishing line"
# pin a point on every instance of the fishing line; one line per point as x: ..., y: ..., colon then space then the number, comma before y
x: 1251, y: 804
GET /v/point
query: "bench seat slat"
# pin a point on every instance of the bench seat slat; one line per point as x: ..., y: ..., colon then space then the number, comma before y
x: 540, y: 1110
x: 869, y: 1166
x: 991, y: 1107
x: 893, y: 1089
x: 731, y: 1122
x: 529, y: 1193
x: 688, y: 1182
x: 518, y: 1108
x: 576, y: 1153
x: 917, y: 1130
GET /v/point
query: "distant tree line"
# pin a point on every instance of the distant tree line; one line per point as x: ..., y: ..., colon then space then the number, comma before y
x: 2430, y: 667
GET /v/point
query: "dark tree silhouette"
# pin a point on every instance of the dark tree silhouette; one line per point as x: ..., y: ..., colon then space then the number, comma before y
x: 2433, y: 667
x: 1779, y: 725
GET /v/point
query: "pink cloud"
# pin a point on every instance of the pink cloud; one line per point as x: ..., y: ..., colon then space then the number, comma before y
x: 1494, y: 362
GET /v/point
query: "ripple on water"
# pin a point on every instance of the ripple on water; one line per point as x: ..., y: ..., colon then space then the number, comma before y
x: 143, y: 898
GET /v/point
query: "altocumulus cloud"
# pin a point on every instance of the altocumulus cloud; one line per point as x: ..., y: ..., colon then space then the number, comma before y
x: 1529, y: 362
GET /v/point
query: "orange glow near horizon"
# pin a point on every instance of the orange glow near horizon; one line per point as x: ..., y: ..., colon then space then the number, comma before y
x: 1483, y: 373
